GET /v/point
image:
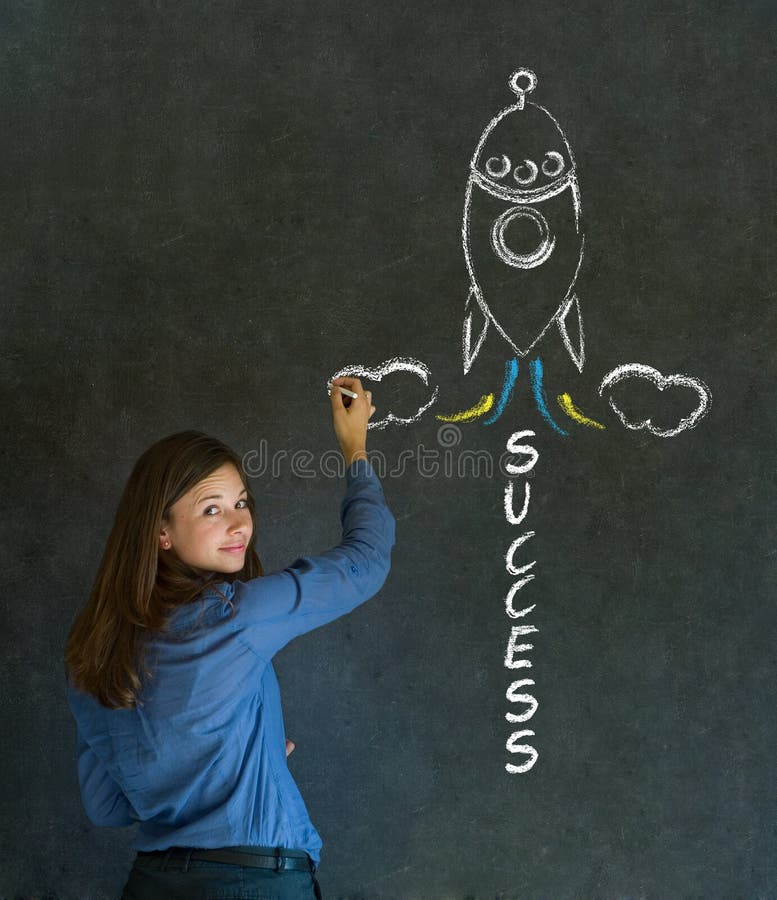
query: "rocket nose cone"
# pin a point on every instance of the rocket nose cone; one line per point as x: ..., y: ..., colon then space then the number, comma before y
x: 523, y: 147
x: 523, y: 150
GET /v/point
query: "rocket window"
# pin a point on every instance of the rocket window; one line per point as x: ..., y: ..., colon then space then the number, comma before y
x: 521, y: 237
x: 553, y: 164
x: 498, y: 167
x: 526, y: 172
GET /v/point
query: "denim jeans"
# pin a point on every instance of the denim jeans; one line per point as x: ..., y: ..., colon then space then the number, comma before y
x: 154, y: 878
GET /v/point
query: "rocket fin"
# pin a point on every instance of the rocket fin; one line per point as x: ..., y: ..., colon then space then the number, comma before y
x: 571, y: 328
x: 472, y: 310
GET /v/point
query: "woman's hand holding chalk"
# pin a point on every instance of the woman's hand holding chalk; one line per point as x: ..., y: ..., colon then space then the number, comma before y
x: 344, y: 390
x: 350, y: 416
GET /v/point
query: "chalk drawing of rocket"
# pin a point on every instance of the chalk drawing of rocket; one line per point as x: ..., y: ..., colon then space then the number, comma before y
x: 521, y: 231
x: 523, y: 247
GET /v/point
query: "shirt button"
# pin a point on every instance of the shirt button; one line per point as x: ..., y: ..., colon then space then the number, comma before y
x: 355, y: 570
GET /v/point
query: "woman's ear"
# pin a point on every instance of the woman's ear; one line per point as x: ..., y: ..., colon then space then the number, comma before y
x: 164, y: 539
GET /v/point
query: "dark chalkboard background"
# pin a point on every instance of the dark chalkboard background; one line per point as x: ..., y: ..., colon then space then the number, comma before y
x: 207, y: 209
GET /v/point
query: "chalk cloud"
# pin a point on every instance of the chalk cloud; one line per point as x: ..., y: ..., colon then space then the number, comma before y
x: 662, y: 382
x: 378, y: 373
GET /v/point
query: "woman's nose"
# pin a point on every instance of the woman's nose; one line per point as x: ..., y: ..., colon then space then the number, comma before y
x: 240, y: 520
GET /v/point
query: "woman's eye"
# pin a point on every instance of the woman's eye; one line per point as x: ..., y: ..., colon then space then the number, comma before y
x: 209, y: 508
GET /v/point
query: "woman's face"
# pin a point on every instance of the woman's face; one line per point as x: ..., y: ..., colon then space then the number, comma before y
x: 208, y: 519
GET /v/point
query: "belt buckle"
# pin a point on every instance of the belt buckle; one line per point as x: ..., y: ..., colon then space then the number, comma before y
x: 280, y: 860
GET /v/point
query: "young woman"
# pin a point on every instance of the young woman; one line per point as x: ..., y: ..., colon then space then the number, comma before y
x: 170, y: 679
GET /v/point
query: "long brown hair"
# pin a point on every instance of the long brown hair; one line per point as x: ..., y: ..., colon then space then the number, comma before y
x: 137, y: 587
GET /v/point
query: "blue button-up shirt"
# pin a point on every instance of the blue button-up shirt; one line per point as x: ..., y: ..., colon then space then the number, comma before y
x: 203, y: 762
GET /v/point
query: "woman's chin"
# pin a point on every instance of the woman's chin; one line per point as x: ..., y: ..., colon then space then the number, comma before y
x: 229, y: 566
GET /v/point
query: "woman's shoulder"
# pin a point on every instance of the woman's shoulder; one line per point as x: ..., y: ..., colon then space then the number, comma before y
x: 212, y: 604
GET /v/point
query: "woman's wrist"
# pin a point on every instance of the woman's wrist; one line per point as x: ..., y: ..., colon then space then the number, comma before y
x: 354, y: 454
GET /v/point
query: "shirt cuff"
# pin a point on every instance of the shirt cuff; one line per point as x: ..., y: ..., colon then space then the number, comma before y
x: 359, y: 468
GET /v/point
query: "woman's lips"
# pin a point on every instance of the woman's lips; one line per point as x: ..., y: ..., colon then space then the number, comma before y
x: 236, y: 549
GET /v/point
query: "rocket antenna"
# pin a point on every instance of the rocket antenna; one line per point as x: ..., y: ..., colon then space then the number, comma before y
x: 520, y: 90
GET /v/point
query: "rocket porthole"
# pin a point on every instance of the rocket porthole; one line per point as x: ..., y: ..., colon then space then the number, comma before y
x: 520, y: 260
x: 498, y: 167
x: 553, y: 164
x: 531, y: 172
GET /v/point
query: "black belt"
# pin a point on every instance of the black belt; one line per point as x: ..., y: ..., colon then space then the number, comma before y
x: 279, y: 858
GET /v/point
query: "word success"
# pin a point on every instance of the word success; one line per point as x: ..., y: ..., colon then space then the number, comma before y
x: 516, y: 691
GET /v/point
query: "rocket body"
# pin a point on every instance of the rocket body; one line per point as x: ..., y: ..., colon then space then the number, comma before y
x: 522, y: 260
x: 521, y: 233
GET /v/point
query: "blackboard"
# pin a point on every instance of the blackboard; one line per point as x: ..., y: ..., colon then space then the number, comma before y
x: 208, y: 210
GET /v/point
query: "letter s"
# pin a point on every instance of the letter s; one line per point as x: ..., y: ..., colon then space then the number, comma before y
x: 525, y: 449
x: 521, y: 748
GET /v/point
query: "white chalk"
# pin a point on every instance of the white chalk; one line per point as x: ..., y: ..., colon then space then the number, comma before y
x: 395, y: 364
x: 344, y: 390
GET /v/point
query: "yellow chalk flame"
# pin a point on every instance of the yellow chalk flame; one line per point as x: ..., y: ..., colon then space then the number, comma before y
x: 565, y: 402
x: 467, y: 415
